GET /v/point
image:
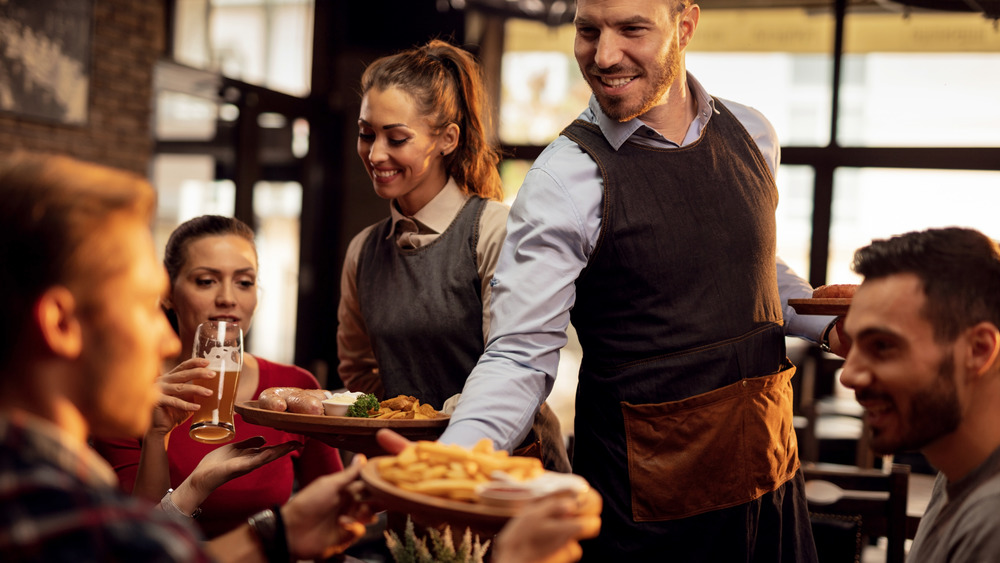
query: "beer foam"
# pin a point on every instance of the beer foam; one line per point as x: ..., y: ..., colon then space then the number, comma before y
x: 224, y: 358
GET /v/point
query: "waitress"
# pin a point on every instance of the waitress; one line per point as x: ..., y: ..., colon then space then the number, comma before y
x: 414, y: 312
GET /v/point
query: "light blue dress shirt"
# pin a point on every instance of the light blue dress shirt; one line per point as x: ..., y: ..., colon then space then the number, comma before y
x: 552, y: 228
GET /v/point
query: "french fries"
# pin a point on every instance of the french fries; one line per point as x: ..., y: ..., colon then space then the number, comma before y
x: 404, y: 407
x: 453, y: 472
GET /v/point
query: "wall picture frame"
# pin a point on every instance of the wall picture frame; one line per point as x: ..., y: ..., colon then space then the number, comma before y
x: 45, y: 59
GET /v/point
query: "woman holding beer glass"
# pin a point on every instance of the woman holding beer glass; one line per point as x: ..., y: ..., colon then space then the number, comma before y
x: 212, y: 265
x: 415, y: 289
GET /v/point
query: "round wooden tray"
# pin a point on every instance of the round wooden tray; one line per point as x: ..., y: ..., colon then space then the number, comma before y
x: 821, y: 306
x: 431, y: 511
x: 349, y: 433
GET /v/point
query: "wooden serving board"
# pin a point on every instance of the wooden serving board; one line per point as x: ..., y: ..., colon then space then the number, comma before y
x: 349, y: 433
x: 821, y: 306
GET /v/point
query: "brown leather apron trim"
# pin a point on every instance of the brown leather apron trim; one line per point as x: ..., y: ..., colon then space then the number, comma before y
x: 719, y: 449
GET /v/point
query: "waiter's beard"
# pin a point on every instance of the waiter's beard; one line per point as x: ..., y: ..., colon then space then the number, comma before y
x: 659, y: 79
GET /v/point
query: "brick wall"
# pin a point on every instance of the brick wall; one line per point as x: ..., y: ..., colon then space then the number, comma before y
x: 128, y: 39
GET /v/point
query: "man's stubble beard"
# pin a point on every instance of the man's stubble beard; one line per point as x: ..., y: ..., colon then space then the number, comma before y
x: 934, y: 412
x: 667, y: 72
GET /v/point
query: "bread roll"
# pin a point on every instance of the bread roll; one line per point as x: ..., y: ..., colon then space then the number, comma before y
x: 835, y: 291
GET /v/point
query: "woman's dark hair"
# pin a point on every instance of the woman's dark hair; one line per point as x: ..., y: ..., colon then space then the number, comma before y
x: 447, y: 85
x: 958, y: 268
x: 176, y: 253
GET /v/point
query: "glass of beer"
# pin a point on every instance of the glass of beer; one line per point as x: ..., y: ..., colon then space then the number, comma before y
x: 221, y: 343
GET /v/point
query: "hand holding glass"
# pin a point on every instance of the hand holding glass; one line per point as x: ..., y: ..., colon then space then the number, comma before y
x: 221, y: 343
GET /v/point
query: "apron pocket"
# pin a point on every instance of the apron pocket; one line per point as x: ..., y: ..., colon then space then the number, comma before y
x: 711, y: 451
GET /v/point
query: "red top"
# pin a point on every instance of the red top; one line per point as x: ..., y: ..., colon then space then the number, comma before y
x: 232, y: 503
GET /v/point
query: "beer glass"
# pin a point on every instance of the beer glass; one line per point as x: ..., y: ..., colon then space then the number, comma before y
x: 221, y: 343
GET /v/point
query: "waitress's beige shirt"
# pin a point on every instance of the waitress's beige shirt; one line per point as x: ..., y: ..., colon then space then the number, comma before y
x: 358, y: 369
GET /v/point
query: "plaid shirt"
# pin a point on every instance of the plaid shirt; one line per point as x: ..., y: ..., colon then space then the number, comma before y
x: 59, y: 501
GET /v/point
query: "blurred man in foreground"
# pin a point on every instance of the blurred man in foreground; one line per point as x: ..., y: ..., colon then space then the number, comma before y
x: 924, y: 366
x: 82, y: 341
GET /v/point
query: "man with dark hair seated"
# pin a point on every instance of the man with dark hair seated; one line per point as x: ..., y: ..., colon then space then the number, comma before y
x: 925, y: 325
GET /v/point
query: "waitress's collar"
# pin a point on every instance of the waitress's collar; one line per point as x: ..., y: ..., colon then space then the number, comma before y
x: 617, y: 132
x: 439, y: 212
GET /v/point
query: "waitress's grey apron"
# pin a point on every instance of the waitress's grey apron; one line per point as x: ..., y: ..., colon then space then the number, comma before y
x: 423, y: 308
x: 424, y: 313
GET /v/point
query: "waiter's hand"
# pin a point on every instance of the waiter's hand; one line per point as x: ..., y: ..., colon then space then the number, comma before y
x: 837, y: 339
x: 840, y: 342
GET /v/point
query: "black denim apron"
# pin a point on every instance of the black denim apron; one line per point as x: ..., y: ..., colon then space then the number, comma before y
x: 683, y: 408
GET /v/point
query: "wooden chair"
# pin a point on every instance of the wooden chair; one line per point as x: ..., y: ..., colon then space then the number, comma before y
x: 848, y: 505
x: 823, y: 419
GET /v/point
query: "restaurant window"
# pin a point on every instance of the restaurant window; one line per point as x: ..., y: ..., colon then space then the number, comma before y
x: 277, y: 210
x: 262, y: 42
x: 874, y: 203
x: 794, y: 215
x: 192, y: 181
x: 186, y: 188
x: 775, y: 61
x: 927, y: 80
x: 198, y: 168
x: 541, y: 87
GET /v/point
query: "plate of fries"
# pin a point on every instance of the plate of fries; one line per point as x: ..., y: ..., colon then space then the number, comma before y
x: 349, y: 433
x: 439, y: 483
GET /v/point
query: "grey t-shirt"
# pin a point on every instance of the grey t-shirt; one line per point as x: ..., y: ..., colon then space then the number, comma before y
x: 962, y: 522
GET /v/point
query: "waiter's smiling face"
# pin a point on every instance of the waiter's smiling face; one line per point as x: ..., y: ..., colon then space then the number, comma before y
x: 903, y: 377
x: 630, y: 52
